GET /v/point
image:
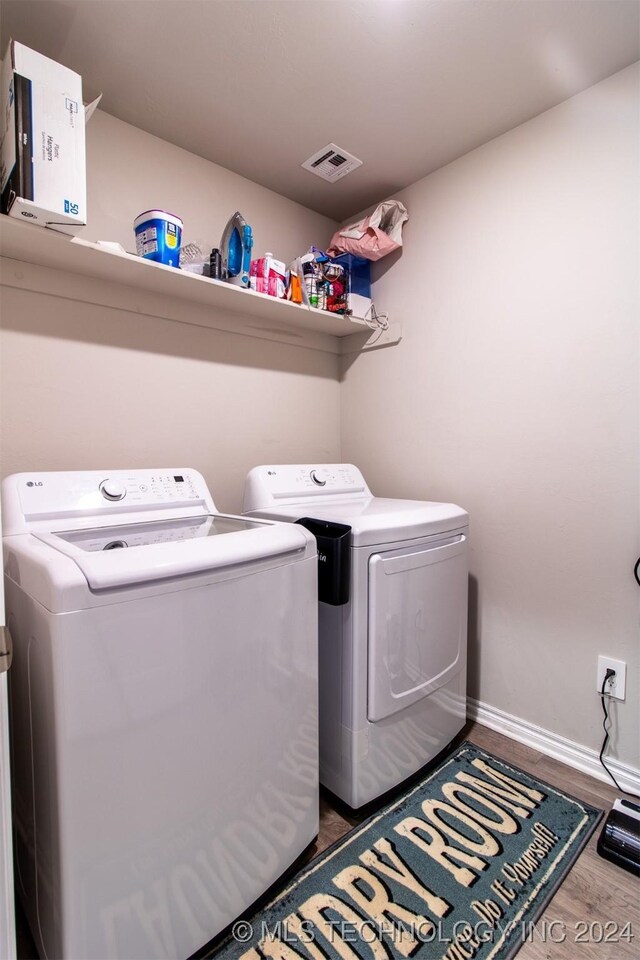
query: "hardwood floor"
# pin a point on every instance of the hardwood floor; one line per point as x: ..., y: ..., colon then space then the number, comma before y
x: 594, y: 892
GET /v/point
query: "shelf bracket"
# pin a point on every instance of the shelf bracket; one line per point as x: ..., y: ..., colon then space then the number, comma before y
x: 371, y: 339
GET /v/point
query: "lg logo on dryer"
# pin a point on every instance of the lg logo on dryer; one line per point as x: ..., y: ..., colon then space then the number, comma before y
x: 34, y: 483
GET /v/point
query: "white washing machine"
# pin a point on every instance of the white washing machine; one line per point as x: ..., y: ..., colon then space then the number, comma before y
x: 392, y: 621
x: 163, y: 706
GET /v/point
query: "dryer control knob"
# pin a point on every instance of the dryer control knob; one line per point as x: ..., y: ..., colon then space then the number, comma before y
x: 113, y: 490
x: 319, y: 477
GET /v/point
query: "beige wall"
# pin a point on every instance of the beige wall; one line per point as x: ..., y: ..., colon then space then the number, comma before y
x: 130, y: 171
x: 86, y: 386
x: 515, y: 393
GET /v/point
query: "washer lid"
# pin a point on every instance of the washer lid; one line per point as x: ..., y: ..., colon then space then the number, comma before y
x: 119, y: 555
x: 378, y: 520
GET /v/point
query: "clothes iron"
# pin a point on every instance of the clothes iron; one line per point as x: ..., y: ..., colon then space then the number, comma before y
x: 235, y: 250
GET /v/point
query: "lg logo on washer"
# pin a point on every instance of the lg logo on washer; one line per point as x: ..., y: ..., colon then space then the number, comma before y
x: 34, y: 483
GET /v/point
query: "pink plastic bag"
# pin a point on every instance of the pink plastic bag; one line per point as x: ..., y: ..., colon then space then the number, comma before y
x: 375, y: 236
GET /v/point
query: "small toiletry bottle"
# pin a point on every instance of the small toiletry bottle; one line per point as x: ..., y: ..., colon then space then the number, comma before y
x: 215, y: 264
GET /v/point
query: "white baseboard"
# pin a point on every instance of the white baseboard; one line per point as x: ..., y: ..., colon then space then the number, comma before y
x: 552, y: 745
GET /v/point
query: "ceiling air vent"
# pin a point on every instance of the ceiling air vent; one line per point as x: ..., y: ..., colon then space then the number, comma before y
x: 331, y: 163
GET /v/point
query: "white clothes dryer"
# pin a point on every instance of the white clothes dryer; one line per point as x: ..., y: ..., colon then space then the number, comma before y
x: 392, y: 621
x: 163, y: 706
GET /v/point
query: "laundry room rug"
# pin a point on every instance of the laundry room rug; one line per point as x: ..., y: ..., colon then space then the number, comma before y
x: 458, y: 868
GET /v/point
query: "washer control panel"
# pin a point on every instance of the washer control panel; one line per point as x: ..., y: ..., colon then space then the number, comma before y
x: 279, y: 482
x: 157, y: 488
x: 56, y: 495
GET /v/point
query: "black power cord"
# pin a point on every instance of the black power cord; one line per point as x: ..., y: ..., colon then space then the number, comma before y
x: 610, y: 673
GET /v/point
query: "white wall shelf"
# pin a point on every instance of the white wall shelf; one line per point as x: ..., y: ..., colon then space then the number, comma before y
x: 44, y: 261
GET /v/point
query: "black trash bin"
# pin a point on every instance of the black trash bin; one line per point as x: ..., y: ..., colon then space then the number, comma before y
x: 334, y: 559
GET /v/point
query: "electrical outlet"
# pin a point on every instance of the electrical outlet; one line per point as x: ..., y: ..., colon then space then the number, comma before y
x: 615, y: 687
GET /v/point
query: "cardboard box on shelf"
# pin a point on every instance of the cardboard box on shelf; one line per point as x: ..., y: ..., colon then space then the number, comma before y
x: 42, y: 150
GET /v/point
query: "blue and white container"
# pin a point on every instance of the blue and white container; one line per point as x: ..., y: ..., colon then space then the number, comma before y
x: 158, y: 237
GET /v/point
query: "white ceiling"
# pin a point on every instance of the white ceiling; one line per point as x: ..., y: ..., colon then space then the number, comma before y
x: 259, y: 85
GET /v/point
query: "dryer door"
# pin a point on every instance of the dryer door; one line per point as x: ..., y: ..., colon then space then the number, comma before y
x: 417, y: 622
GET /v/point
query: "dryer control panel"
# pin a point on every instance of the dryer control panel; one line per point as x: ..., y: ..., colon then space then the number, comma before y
x: 282, y: 483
